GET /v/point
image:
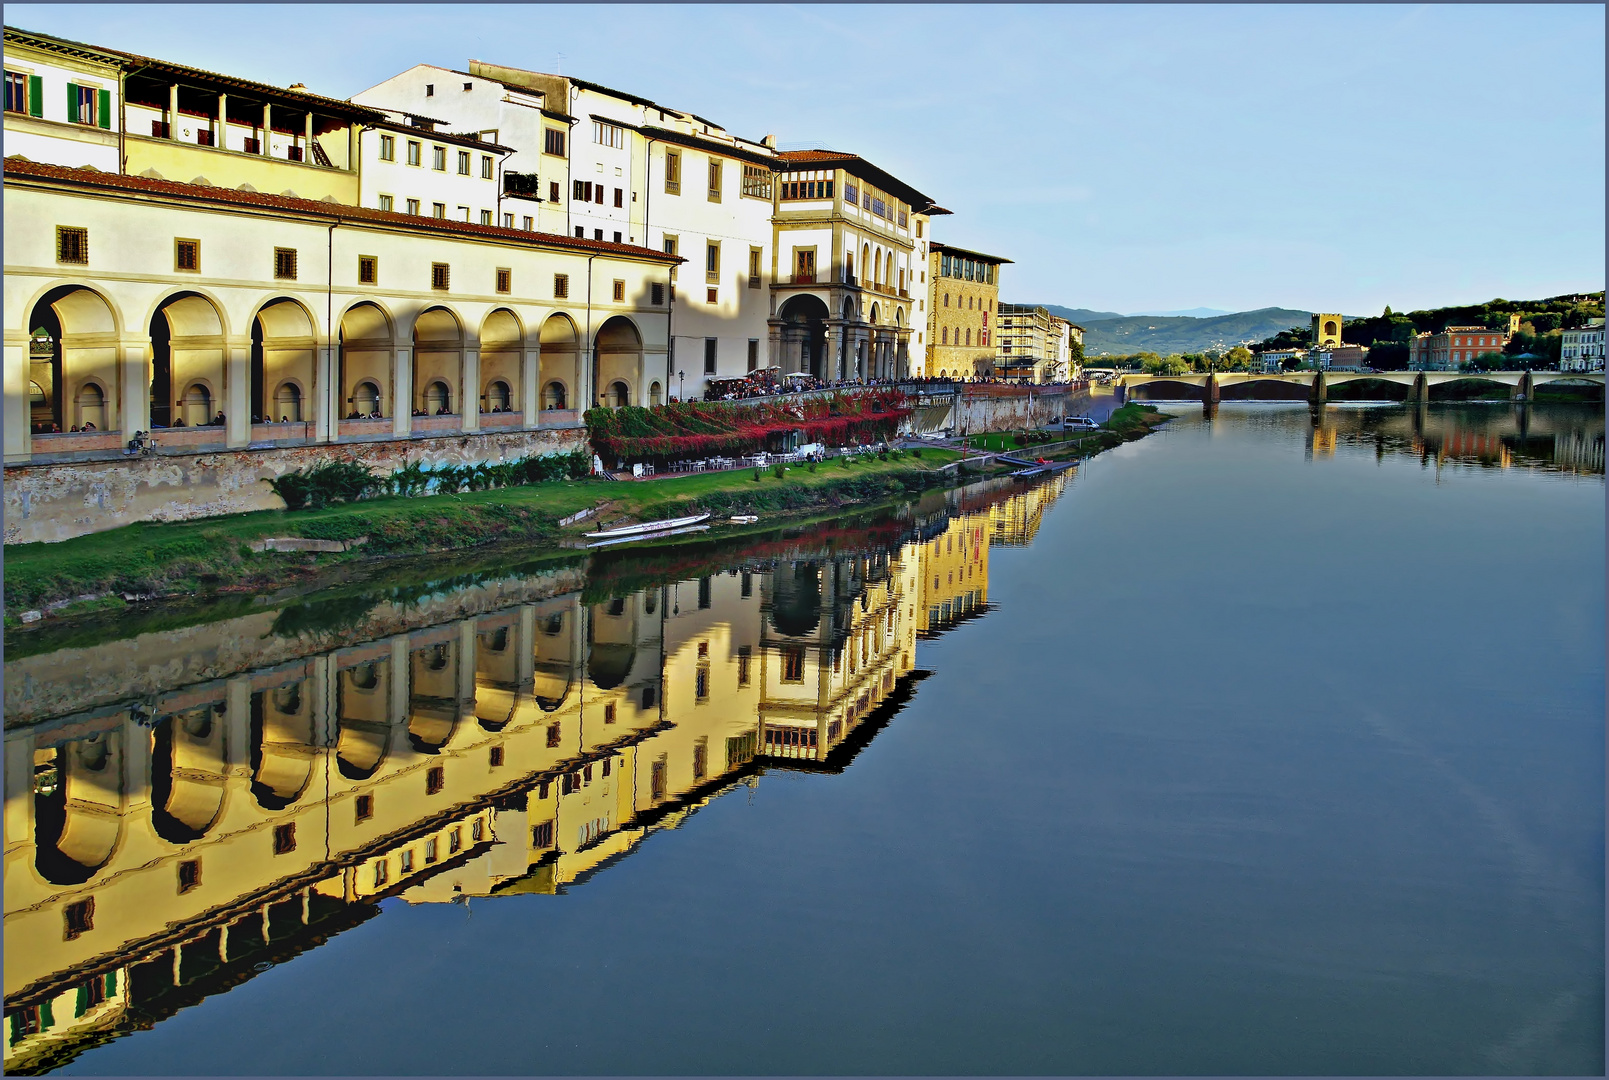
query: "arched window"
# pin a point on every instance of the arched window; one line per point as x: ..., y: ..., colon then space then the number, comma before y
x: 944, y: 335
x: 288, y: 403
x: 197, y: 405
x: 437, y: 398
x: 498, y: 397
x: 619, y: 395
x: 366, y: 399
x: 653, y: 393
x: 92, y: 407
x: 553, y: 396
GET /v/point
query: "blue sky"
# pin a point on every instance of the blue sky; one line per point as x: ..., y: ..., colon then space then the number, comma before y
x: 1126, y: 158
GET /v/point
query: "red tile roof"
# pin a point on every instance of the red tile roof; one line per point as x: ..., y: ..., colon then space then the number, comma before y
x: 21, y: 167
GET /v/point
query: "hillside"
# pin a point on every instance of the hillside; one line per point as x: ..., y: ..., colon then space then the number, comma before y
x: 1081, y: 316
x: 1182, y: 334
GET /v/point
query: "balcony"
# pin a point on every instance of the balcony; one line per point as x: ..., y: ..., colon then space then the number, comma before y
x: 804, y: 279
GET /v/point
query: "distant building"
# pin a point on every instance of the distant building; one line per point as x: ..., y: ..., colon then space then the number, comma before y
x: 1035, y: 346
x: 1456, y: 345
x: 1326, y: 330
x: 1274, y: 359
x: 963, y: 293
x: 1339, y: 358
x: 1582, y: 349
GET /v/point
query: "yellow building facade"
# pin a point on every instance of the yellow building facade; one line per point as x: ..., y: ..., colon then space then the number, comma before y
x: 963, y: 303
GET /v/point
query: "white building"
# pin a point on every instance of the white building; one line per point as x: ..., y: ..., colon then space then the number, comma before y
x: 1274, y: 359
x: 1582, y: 349
x: 408, y: 166
x: 63, y: 101
x: 600, y: 164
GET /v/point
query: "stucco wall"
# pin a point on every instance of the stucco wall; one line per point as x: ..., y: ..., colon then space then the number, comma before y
x: 998, y: 408
x: 56, y: 502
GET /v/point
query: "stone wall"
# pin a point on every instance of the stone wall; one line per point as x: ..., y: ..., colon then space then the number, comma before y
x: 1007, y: 408
x: 59, y: 501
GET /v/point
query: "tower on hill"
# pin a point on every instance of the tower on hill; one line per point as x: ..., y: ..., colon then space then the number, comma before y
x: 1326, y: 330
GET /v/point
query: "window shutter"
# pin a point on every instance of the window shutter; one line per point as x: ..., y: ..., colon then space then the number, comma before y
x: 104, y: 113
x: 72, y: 103
x: 36, y: 96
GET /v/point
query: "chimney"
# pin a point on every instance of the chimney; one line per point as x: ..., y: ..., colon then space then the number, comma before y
x: 299, y: 88
x: 769, y: 140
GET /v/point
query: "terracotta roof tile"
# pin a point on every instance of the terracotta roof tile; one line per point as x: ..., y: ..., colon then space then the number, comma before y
x: 21, y: 167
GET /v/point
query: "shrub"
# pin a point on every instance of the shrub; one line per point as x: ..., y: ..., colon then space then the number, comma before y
x: 811, y: 466
x: 916, y: 452
x: 779, y: 470
x: 756, y: 476
x: 325, y: 485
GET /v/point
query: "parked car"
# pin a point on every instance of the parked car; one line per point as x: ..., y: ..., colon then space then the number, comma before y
x: 1081, y: 423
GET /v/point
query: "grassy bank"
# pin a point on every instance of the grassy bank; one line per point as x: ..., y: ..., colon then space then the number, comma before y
x: 214, y: 555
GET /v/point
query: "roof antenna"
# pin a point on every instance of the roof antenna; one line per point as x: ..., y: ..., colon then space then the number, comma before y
x: 558, y: 63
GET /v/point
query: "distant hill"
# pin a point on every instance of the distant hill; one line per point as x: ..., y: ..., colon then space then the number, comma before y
x: 1193, y: 313
x: 1163, y: 334
x: 1080, y: 315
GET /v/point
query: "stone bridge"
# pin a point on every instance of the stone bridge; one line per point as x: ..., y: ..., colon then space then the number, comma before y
x: 1314, y: 386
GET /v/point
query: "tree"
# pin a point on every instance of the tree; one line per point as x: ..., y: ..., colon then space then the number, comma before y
x: 1238, y: 359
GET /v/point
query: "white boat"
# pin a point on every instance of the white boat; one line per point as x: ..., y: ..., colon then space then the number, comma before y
x: 745, y: 519
x: 683, y: 531
x: 648, y: 528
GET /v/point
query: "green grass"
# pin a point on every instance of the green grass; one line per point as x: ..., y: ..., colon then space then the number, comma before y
x: 188, y: 557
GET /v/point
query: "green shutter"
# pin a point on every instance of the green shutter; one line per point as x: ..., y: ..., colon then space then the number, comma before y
x: 83, y: 1001
x: 104, y: 113
x: 111, y: 984
x: 36, y: 96
x: 47, y: 1018
x: 72, y: 103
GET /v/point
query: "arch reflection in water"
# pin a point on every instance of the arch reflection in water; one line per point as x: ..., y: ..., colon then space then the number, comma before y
x: 281, y: 804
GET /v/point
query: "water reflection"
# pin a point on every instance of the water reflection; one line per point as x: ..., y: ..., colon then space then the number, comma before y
x: 1549, y: 438
x: 263, y: 790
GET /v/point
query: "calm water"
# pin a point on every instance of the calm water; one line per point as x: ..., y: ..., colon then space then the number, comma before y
x: 1262, y: 745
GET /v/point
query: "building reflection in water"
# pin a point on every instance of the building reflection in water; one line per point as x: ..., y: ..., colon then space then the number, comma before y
x: 163, y: 850
x: 1560, y: 439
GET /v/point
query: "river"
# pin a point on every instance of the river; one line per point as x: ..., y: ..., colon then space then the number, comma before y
x: 1270, y: 743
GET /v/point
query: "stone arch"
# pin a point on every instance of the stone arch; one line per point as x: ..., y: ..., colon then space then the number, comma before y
x: 617, y: 358
x: 502, y: 360
x: 283, y: 746
x: 72, y: 342
x: 656, y: 394
x: 187, y: 352
x: 612, y: 644
x: 189, y: 774
x: 367, y: 343
x: 91, y: 405
x: 284, y: 353
x: 78, y: 807
x: 433, y: 695
x: 438, y: 353
x: 555, y: 660
x: 363, y: 709
x: 804, y: 334
x: 560, y: 366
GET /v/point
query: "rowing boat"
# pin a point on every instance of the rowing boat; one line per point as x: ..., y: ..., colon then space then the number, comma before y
x: 648, y: 527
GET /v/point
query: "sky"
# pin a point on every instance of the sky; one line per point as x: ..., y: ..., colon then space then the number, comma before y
x: 1125, y: 158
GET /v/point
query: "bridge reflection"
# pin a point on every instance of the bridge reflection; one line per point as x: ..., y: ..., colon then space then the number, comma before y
x: 1562, y: 439
x: 164, y: 848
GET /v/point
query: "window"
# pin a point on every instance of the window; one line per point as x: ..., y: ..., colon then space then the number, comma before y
x: 455, y: 840
x: 505, y: 279
x: 363, y: 808
x: 617, y: 237
x: 581, y: 190
x: 435, y: 779
x: 561, y: 286
x: 542, y: 835
x: 72, y: 245
x: 79, y: 918
x: 700, y: 758
x: 438, y: 211
x: 438, y: 158
x: 851, y: 193
x: 430, y: 89
x: 553, y: 735
x: 494, y: 758
x: 754, y: 354
x: 553, y: 141
x: 187, y: 255
x: 486, y: 167
x: 805, y: 265
x: 673, y: 172
x: 463, y: 213
x: 657, y: 778
x: 463, y: 163
x: 620, y: 198
x: 285, y: 838
x: 285, y: 264
x: 709, y: 369
x: 712, y: 261
x: 89, y: 105
x: 22, y: 93
x: 813, y: 189
x: 527, y: 223
x: 388, y: 203
x: 609, y: 713
x: 711, y: 295
x: 793, y: 663
x: 754, y: 268
x: 413, y: 151
x: 508, y: 221
x: 670, y: 244
x: 743, y: 666
x: 189, y: 875
x: 382, y: 873
x: 388, y: 148
x: 486, y: 217
x: 608, y: 135
x: 757, y: 181
x: 553, y: 191
x: 656, y: 294
x: 580, y: 233
x: 432, y: 848
x: 413, y: 207
x: 440, y: 275
x: 715, y: 179
x: 597, y: 234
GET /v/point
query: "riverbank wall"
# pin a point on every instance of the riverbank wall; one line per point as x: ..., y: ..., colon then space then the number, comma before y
x: 61, y: 500
x: 987, y: 407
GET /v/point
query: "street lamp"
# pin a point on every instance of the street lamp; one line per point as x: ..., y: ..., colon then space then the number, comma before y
x: 681, y: 386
